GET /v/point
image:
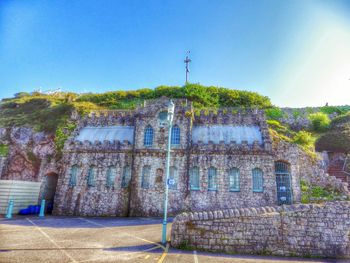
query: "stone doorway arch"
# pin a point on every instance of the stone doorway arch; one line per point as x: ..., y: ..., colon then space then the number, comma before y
x: 50, y: 190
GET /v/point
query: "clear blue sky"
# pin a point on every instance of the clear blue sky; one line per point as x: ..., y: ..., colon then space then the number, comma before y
x: 296, y: 52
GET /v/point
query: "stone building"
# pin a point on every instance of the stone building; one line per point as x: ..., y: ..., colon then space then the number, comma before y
x: 114, y: 163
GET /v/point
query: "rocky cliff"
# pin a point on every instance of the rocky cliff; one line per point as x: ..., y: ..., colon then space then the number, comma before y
x: 27, y: 150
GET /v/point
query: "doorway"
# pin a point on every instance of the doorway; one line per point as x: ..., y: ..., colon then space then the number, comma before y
x: 283, y: 183
x: 50, y: 190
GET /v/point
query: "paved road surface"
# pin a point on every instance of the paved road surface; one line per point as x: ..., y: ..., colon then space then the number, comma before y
x: 79, y: 239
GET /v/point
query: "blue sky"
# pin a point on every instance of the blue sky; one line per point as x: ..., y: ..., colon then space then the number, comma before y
x: 297, y: 52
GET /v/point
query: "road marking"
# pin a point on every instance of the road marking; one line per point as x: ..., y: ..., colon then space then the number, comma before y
x: 51, y: 240
x: 145, y: 240
x: 91, y: 222
x: 195, y: 256
x: 120, y: 255
x: 164, y: 253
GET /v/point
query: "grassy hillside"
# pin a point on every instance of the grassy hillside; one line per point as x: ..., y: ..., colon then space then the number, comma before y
x: 51, y: 113
x: 48, y: 112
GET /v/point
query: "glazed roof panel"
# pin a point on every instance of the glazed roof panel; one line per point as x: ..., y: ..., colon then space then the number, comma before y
x: 109, y: 133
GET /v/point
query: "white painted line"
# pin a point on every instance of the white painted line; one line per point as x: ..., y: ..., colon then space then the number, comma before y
x: 51, y: 240
x: 139, y: 238
x: 120, y: 255
x: 195, y: 256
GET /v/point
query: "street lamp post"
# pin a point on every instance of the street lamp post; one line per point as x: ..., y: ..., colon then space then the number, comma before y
x: 170, y: 117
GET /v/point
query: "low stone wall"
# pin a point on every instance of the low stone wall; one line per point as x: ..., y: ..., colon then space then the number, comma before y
x: 298, y: 230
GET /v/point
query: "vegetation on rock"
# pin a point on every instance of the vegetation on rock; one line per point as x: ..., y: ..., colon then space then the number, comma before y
x: 3, y: 150
x: 317, y: 194
x: 337, y: 139
x: 320, y: 121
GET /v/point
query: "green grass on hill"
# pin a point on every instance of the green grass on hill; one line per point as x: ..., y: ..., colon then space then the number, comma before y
x: 48, y: 112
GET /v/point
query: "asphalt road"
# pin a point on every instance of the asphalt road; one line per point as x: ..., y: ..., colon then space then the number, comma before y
x: 80, y: 239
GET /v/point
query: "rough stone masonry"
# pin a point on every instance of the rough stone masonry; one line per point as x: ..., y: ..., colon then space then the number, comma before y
x: 313, y: 230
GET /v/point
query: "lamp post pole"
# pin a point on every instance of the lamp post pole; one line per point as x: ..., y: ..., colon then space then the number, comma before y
x: 170, y: 117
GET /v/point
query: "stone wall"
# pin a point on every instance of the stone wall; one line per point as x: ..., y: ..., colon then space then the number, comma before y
x: 148, y: 201
x: 299, y: 230
x: 98, y: 200
x: 203, y: 199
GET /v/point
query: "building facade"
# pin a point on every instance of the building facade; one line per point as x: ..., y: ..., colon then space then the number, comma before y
x: 114, y: 163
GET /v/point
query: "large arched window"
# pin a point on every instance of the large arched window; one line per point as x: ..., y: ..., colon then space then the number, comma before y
x: 73, y: 175
x: 173, y: 177
x: 194, y: 178
x: 258, y: 180
x: 212, y: 184
x: 126, y: 176
x: 110, y: 176
x: 148, y: 139
x: 146, y: 173
x: 91, y: 176
x: 175, y: 135
x: 233, y: 174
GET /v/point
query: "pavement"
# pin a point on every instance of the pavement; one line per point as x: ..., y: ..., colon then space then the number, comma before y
x: 88, y: 239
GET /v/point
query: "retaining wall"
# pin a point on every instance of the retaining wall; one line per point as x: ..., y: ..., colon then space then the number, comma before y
x: 321, y: 230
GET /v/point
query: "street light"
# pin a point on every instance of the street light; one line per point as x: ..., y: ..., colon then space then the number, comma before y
x: 170, y: 117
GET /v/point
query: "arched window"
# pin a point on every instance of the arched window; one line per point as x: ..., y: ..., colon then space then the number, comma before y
x: 148, y: 139
x: 212, y: 185
x: 73, y: 175
x: 146, y: 173
x: 91, y: 176
x: 194, y: 178
x: 110, y: 176
x: 126, y: 176
x: 175, y: 135
x: 173, y: 177
x: 258, y: 181
x: 233, y: 174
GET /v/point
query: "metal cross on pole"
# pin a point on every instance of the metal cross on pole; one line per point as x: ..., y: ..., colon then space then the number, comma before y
x: 187, y: 61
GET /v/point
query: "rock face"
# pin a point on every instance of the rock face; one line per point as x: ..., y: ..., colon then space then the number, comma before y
x: 26, y: 152
x: 297, y: 230
x: 298, y: 119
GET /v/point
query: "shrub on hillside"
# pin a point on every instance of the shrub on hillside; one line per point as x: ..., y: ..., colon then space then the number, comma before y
x: 274, y: 113
x: 304, y: 138
x: 319, y: 121
x: 335, y: 109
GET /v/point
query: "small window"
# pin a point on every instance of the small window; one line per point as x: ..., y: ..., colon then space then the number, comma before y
x: 257, y: 180
x: 91, y: 176
x: 173, y: 177
x: 234, y: 179
x: 73, y: 176
x: 146, y: 172
x: 126, y: 176
x: 212, y: 185
x: 175, y: 135
x: 148, y: 139
x: 110, y: 176
x: 194, y: 178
